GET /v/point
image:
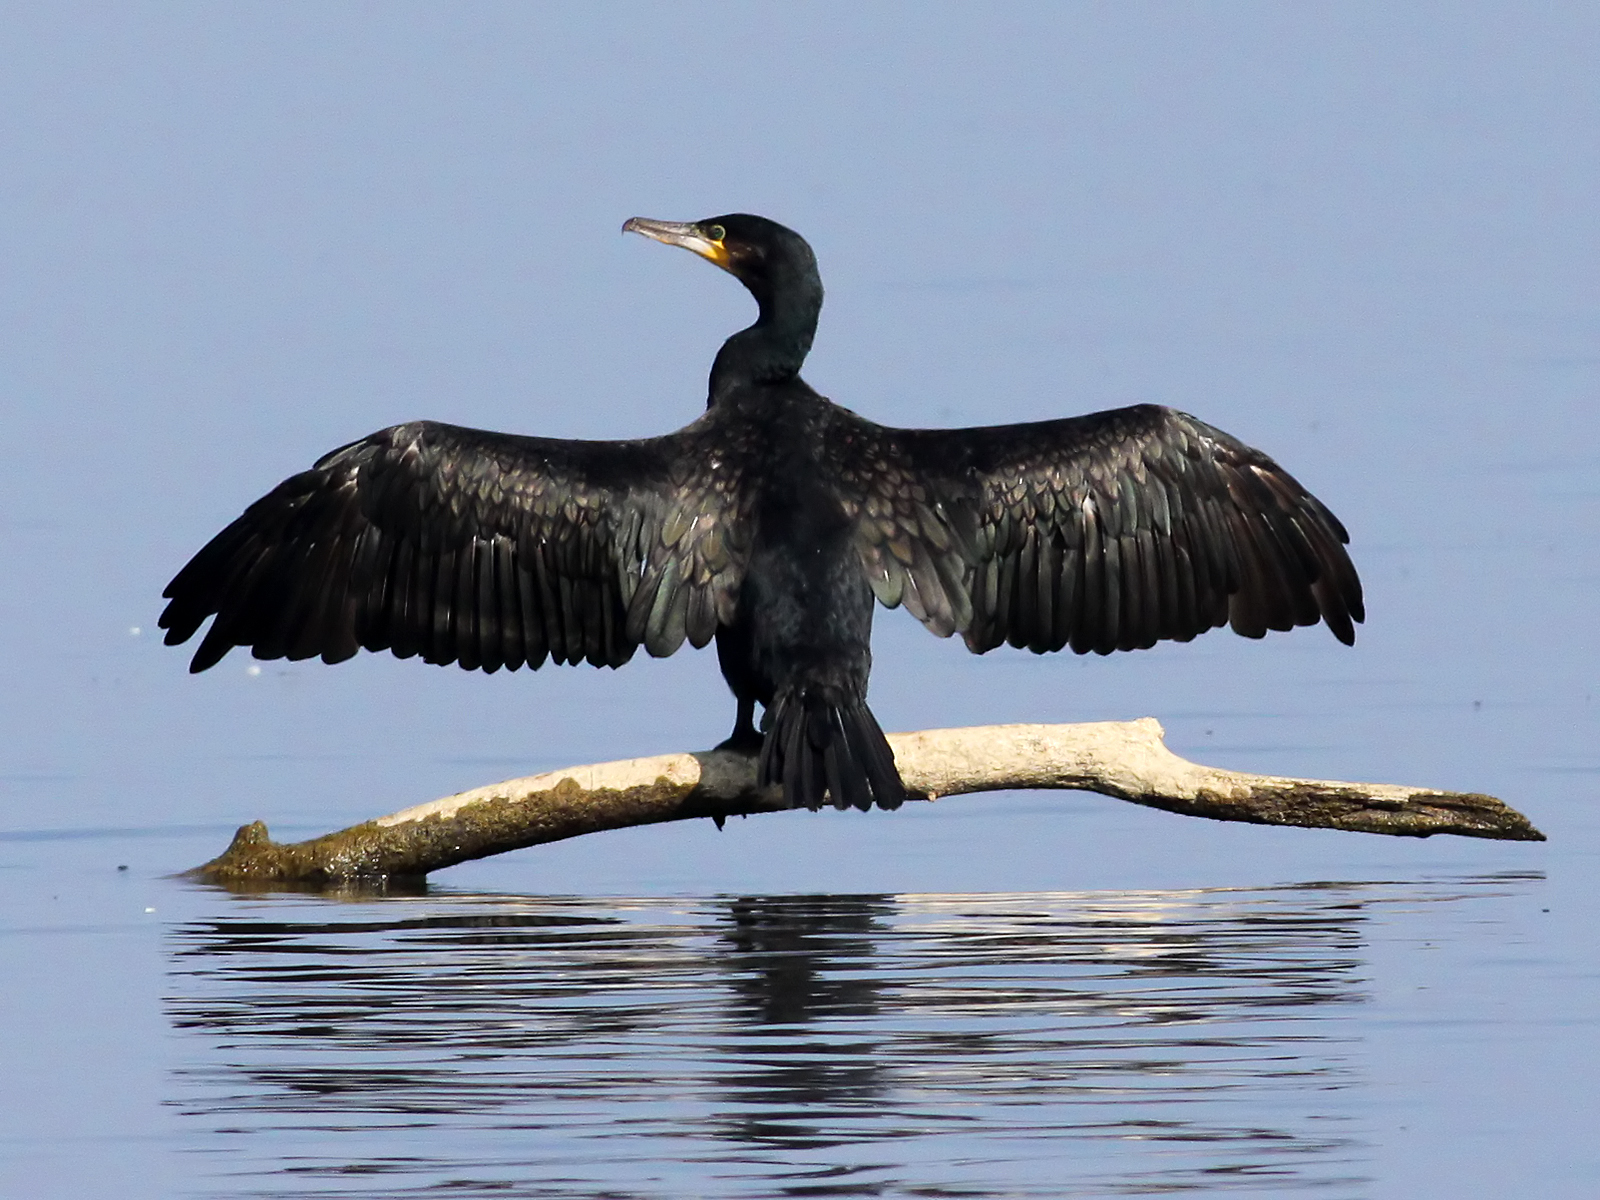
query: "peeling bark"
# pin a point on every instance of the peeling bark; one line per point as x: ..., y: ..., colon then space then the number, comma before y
x: 1126, y: 760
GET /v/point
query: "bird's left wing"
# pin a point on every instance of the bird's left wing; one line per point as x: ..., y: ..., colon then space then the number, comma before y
x: 485, y: 549
x: 1104, y: 532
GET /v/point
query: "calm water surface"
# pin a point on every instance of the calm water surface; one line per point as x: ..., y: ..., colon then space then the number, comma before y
x: 1038, y: 1044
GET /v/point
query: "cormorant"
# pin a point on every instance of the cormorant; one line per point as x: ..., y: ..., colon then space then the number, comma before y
x: 770, y: 524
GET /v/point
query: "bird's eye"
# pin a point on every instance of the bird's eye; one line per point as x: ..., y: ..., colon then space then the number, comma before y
x: 715, y: 232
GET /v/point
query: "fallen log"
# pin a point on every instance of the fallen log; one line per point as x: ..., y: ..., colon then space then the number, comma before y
x: 1126, y: 760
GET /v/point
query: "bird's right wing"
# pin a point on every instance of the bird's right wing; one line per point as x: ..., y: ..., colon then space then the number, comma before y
x: 480, y: 548
x: 1104, y: 532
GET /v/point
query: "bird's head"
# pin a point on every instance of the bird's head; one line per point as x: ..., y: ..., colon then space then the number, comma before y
x: 766, y: 257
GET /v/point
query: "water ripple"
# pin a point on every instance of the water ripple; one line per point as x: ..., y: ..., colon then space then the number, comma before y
x: 1039, y: 1045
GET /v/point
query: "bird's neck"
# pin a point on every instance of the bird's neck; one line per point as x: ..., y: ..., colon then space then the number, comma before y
x: 775, y: 347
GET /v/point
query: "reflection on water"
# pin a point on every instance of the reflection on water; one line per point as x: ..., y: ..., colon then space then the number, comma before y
x: 999, y: 1045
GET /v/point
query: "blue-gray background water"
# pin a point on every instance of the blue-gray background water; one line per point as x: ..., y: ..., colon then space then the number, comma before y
x: 1362, y: 237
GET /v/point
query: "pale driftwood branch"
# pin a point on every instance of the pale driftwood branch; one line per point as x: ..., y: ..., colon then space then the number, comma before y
x: 1127, y: 760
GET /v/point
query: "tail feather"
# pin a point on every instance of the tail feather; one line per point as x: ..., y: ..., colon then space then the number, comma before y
x: 820, y: 746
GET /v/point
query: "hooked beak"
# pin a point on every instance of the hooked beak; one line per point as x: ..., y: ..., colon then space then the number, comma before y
x: 685, y: 234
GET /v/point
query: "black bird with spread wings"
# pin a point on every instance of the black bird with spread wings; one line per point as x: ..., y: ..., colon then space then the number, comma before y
x: 771, y: 524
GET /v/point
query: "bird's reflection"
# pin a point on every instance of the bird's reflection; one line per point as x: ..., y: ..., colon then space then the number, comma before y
x: 792, y: 958
x: 749, y: 1034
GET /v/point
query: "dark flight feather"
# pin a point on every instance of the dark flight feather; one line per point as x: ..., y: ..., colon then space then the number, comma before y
x: 1106, y: 532
x: 485, y: 549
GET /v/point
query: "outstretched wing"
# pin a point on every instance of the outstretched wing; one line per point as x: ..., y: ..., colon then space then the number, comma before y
x: 484, y: 549
x: 1105, y: 532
